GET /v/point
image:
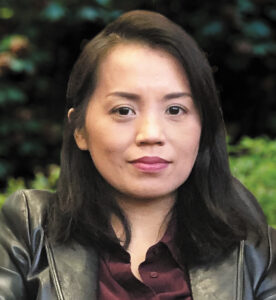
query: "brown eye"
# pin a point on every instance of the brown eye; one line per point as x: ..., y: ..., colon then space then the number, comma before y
x: 123, y: 111
x: 175, y: 110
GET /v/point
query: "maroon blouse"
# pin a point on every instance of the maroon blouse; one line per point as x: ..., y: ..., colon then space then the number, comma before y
x: 164, y: 277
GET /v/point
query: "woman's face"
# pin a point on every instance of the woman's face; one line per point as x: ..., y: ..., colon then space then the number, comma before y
x: 142, y: 128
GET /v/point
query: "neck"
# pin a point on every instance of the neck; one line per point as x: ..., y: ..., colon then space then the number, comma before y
x: 148, y: 218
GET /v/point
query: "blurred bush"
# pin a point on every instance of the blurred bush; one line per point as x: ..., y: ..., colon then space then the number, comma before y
x: 41, y: 181
x: 252, y: 161
x: 239, y: 39
x: 40, y: 40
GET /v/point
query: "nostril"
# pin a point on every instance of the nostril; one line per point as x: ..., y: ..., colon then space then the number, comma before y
x: 150, y: 132
x: 144, y: 142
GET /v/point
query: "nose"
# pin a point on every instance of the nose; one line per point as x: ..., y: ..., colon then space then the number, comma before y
x: 150, y: 131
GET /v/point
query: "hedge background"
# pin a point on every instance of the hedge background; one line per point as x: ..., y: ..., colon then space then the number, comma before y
x: 40, y: 40
x: 252, y: 161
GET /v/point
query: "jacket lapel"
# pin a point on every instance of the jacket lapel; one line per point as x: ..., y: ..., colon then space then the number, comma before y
x: 74, y: 271
x: 222, y: 280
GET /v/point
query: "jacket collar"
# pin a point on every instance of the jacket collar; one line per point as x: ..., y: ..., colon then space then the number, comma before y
x: 74, y: 270
x: 222, y: 280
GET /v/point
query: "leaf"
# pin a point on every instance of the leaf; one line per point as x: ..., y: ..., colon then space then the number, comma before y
x: 257, y: 29
x: 54, y: 11
x: 212, y: 29
x: 31, y: 147
x: 4, y: 168
x: 6, y: 42
x: 246, y: 6
x: 17, y: 65
x: 15, y: 184
x: 11, y: 95
x: 40, y: 182
x: 263, y: 49
x: 254, y: 163
x: 103, y: 2
x: 6, y: 13
x: 32, y: 126
x: 88, y: 13
x: 16, y: 95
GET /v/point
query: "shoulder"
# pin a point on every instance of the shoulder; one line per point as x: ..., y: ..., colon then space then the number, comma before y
x: 258, y: 251
x: 22, y: 220
x: 34, y: 200
x: 27, y: 207
x: 260, y: 263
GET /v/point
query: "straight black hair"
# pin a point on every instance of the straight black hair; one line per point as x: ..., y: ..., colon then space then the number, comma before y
x: 213, y: 211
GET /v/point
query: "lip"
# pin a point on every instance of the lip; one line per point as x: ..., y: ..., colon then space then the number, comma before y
x: 150, y: 160
x: 151, y: 164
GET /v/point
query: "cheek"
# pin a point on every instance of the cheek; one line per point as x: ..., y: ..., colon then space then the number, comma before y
x: 188, y: 148
x: 104, y: 148
x: 195, y: 147
x: 189, y: 136
x: 105, y: 134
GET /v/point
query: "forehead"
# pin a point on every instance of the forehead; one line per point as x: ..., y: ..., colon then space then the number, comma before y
x: 131, y: 49
x: 135, y: 58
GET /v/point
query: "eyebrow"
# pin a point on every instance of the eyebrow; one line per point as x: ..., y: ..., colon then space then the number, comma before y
x: 132, y: 96
x: 126, y: 95
x: 177, y: 95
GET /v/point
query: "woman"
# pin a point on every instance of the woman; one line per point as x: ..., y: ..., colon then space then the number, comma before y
x: 146, y: 206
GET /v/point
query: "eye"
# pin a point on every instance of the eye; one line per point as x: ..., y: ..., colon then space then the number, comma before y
x: 123, y: 111
x: 175, y: 110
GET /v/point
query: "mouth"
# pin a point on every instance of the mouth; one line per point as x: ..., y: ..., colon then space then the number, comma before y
x: 150, y: 164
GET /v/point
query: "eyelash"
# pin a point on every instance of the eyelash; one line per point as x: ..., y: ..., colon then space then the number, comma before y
x: 117, y: 110
x: 182, y: 109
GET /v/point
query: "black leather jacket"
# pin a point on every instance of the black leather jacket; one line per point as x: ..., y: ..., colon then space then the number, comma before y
x: 32, y: 268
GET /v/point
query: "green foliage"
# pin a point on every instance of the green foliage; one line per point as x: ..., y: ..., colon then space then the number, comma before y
x: 6, y: 13
x: 257, y: 29
x: 41, y: 182
x: 253, y: 162
x: 11, y: 95
x: 38, y: 43
x: 213, y: 29
x: 54, y: 11
x: 40, y: 40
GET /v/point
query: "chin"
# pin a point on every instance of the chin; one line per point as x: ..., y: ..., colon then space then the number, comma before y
x: 148, y: 195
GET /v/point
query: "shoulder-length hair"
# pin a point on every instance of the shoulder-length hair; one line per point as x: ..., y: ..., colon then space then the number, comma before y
x: 211, y: 211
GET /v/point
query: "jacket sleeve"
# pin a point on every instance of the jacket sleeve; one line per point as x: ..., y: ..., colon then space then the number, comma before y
x: 15, y: 258
x: 267, y: 286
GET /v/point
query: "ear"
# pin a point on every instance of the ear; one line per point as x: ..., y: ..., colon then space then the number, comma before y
x: 79, y: 134
x: 70, y: 111
x: 80, y: 139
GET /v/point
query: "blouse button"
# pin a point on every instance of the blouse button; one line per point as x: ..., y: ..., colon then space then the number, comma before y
x: 155, y: 251
x: 153, y: 274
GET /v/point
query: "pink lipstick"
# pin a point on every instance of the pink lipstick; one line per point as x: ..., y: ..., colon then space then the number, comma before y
x: 151, y: 164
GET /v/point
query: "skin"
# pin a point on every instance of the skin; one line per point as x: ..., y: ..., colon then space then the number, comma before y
x: 142, y: 106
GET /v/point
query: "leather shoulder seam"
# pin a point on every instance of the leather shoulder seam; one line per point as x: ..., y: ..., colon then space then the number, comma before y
x: 269, y: 247
x: 26, y: 213
x: 240, y: 271
x: 53, y: 270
